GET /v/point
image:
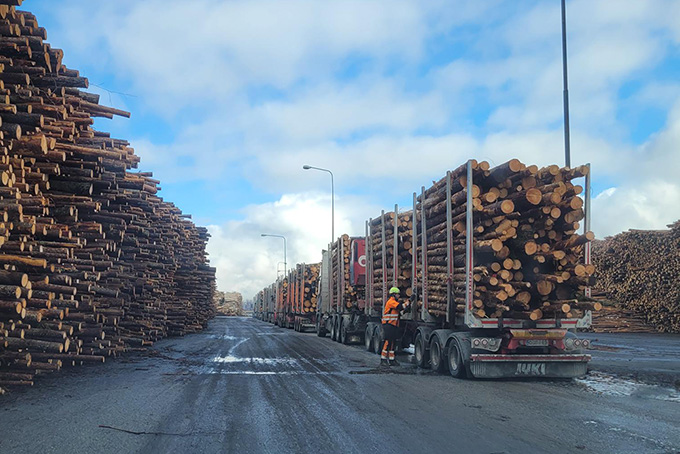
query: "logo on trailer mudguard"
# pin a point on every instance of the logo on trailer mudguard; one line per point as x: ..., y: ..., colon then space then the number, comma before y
x: 537, y: 369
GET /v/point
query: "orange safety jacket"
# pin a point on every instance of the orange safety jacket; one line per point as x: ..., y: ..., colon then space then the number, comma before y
x: 391, y: 314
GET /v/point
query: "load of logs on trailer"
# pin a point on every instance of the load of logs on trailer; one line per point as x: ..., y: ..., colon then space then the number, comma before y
x: 92, y: 262
x: 340, y: 266
x: 404, y: 224
x: 528, y: 254
x: 304, y: 279
x: 638, y: 271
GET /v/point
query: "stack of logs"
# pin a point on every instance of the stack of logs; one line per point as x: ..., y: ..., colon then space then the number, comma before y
x: 304, y: 285
x: 92, y: 261
x: 404, y: 260
x: 310, y: 287
x: 282, y: 294
x: 350, y: 293
x: 638, y: 270
x: 527, y: 253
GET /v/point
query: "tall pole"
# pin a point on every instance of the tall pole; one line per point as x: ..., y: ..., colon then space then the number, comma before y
x: 285, y: 264
x: 306, y: 167
x: 332, y: 207
x: 567, y: 145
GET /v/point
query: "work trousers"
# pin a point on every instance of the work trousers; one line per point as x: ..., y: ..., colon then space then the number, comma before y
x: 391, y: 333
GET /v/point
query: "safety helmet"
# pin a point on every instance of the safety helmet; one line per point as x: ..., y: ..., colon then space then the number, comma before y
x: 394, y: 290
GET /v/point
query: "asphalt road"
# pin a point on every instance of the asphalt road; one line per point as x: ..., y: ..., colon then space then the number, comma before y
x: 652, y: 358
x: 246, y: 386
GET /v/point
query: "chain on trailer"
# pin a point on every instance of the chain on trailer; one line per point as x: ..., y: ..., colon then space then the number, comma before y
x: 395, y: 247
x: 414, y: 259
x: 369, y: 271
x: 383, y: 262
x: 423, y: 249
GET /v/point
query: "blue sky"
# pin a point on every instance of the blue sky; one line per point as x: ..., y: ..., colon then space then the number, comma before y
x: 230, y: 98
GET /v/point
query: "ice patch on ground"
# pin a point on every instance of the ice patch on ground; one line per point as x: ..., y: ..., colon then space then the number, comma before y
x: 213, y: 371
x: 610, y: 385
x: 230, y: 359
x: 224, y: 337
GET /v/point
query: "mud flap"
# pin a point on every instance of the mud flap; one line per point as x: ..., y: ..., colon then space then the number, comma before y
x: 484, y: 366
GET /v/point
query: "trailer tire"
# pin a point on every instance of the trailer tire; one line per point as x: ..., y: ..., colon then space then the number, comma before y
x: 421, y: 354
x: 338, y: 325
x: 377, y: 340
x: 455, y: 360
x: 343, y: 333
x: 368, y: 337
x: 437, y: 359
x: 333, y: 331
x: 320, y: 327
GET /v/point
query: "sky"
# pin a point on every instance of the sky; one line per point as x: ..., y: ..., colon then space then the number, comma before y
x: 230, y: 98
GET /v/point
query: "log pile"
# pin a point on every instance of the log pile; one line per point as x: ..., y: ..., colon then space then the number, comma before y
x: 616, y: 318
x: 281, y: 295
x: 343, y: 292
x: 92, y: 261
x: 404, y: 224
x: 228, y: 303
x: 527, y: 250
x: 638, y: 270
x: 307, y: 288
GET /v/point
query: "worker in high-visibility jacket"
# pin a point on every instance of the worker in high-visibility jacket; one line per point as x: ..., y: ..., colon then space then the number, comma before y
x: 390, y: 325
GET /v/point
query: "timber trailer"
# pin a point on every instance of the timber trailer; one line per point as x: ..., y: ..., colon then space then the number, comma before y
x: 298, y: 305
x: 458, y: 340
x: 268, y: 296
x: 342, y: 282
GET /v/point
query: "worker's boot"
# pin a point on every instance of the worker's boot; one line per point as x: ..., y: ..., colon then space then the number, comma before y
x: 394, y: 362
x: 384, y: 362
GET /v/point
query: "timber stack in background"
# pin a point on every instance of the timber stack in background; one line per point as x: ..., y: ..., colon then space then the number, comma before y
x: 229, y: 303
x: 638, y: 277
x: 93, y: 262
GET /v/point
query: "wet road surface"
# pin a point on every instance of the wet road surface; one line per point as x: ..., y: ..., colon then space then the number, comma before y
x: 653, y: 358
x: 248, y: 386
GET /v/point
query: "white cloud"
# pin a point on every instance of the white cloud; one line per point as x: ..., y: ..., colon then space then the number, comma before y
x: 246, y: 262
x: 401, y: 122
x: 179, y: 55
x: 651, y: 205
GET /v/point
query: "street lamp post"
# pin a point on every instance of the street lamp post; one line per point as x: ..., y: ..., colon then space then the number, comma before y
x: 285, y: 269
x: 277, y: 268
x: 306, y: 167
x: 567, y: 141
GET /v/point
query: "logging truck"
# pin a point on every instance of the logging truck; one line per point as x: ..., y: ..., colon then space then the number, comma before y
x: 341, y: 310
x: 481, y: 308
x: 493, y: 262
x: 298, y: 298
x: 265, y: 303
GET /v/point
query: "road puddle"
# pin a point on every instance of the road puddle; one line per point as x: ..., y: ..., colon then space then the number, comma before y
x: 611, y: 385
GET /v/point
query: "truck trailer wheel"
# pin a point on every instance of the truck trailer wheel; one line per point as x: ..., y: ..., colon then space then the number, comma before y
x: 343, y: 333
x: 334, y: 328
x: 368, y: 337
x: 437, y: 359
x: 455, y: 360
x: 320, y: 327
x: 421, y: 354
x: 338, y: 334
x: 378, y: 340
